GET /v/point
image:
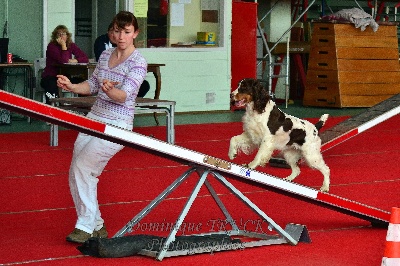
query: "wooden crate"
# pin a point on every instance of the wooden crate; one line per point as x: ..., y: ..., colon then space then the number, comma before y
x: 352, y: 68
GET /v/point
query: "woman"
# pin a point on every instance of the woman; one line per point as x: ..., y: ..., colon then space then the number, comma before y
x: 59, y: 51
x: 116, y: 81
x: 106, y: 41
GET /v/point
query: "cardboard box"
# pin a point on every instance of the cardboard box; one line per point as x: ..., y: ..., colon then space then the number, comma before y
x: 206, y: 38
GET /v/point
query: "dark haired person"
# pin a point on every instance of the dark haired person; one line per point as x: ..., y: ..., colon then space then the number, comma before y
x: 104, y: 42
x: 60, y: 50
x: 116, y: 80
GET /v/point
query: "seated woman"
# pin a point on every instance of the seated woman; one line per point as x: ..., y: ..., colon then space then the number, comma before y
x: 60, y: 50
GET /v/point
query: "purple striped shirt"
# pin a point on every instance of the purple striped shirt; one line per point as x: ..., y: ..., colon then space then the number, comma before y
x: 130, y: 75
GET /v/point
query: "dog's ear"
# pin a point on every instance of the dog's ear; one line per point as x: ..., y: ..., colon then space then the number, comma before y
x: 260, y: 97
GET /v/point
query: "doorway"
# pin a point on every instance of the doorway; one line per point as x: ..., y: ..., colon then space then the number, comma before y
x: 91, y: 20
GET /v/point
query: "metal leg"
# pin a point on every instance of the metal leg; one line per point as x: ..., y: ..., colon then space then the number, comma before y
x: 171, y: 125
x: 168, y: 121
x: 153, y: 204
x: 182, y: 216
x: 254, y: 207
x: 53, y: 135
x: 222, y: 207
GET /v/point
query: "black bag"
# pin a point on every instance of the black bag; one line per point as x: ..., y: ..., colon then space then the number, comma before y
x: 132, y: 244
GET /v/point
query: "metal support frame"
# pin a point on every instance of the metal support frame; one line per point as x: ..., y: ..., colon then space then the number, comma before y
x: 292, y: 234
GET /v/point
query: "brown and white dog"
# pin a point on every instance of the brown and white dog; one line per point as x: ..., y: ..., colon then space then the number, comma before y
x: 267, y: 129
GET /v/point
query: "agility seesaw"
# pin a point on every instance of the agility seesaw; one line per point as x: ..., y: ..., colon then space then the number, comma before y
x: 67, y: 119
x: 360, y: 123
x: 204, y: 165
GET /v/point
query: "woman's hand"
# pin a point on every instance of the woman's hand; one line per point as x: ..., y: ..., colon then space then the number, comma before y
x: 116, y: 94
x: 108, y: 86
x: 73, y: 60
x: 64, y: 83
x: 80, y: 88
x: 62, y: 43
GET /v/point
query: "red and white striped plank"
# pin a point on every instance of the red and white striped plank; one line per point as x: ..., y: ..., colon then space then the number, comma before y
x: 128, y: 138
x: 354, y: 132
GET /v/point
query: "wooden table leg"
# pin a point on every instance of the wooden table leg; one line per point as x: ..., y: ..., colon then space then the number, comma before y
x: 157, y: 75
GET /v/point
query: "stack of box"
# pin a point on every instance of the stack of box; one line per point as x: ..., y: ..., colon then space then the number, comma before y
x: 352, y: 68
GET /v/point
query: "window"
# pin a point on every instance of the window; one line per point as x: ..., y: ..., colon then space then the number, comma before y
x: 176, y: 23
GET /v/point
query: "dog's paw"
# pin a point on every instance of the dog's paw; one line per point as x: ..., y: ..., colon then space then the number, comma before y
x: 290, y: 178
x: 232, y: 154
x: 324, y: 189
x: 252, y: 165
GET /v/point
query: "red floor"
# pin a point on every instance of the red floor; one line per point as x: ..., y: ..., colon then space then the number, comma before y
x: 37, y: 212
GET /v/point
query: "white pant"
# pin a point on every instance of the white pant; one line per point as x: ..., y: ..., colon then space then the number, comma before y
x: 90, y: 157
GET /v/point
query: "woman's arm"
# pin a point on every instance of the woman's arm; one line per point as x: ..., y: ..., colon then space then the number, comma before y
x: 80, y: 55
x: 81, y: 88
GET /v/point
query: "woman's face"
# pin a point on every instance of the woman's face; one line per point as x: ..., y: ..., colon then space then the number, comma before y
x: 62, y: 34
x: 124, y: 37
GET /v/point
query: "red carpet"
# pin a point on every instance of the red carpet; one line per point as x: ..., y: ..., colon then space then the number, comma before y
x: 37, y: 211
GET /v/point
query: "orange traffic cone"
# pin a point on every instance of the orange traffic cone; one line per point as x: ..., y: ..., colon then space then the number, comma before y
x: 391, y: 256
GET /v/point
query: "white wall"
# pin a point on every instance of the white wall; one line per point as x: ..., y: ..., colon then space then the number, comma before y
x: 190, y: 77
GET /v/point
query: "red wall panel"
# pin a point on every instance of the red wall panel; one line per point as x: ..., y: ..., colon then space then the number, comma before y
x: 244, y: 42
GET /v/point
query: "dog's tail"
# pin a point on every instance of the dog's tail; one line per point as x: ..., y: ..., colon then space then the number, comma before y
x: 321, y: 121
